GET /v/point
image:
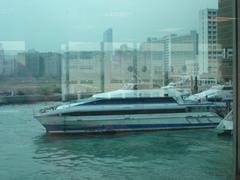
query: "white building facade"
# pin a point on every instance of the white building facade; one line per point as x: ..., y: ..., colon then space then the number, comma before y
x: 209, y: 52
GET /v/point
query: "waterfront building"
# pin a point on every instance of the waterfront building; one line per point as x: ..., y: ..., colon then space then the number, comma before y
x: 121, y: 69
x: 132, y: 64
x: 38, y: 64
x: 167, y: 45
x: 34, y: 63
x: 84, y: 72
x: 52, y: 65
x: 106, y: 59
x: 125, y: 62
x: 179, y: 52
x: 184, y: 49
x: 9, y: 65
x: 209, y: 51
x: 9, y: 51
x: 86, y: 67
x: 81, y: 70
x: 152, y: 63
x: 225, y: 38
x: 117, y: 64
x: 20, y: 69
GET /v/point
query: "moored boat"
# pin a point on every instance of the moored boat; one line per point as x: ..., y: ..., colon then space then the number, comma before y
x: 218, y: 93
x: 132, y: 112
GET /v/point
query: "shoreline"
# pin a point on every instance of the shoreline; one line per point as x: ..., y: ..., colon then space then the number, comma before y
x: 28, y: 99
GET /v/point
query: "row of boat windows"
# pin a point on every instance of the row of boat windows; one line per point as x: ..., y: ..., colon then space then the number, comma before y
x: 130, y: 101
x: 198, y: 109
x: 124, y: 112
x: 227, y: 88
x: 136, y: 111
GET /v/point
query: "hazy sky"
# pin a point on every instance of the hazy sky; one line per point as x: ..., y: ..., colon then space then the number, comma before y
x: 45, y: 24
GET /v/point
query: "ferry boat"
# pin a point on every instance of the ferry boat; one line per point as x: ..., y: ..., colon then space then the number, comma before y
x: 216, y: 93
x: 128, y: 110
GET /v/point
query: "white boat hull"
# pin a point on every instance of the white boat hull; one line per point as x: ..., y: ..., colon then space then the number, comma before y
x: 136, y: 122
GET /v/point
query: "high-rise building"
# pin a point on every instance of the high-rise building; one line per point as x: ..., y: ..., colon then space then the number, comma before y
x: 179, y: 52
x: 209, y: 52
x: 108, y: 35
x: 106, y: 59
x: 167, y: 41
x: 107, y: 43
x: 225, y: 38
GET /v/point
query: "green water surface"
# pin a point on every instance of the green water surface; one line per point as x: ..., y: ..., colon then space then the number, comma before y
x: 28, y: 153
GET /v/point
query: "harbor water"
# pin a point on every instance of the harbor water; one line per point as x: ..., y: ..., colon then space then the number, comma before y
x: 27, y: 152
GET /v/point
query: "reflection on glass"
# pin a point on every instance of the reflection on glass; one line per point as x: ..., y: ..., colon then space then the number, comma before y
x: 111, y: 66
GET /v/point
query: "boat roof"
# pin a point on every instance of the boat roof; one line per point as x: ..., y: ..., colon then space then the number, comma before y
x: 123, y: 93
x: 121, y: 101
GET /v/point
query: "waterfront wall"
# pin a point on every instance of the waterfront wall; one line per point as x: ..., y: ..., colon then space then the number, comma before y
x: 28, y: 99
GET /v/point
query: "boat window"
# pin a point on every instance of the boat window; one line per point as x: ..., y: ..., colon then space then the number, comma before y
x: 227, y: 88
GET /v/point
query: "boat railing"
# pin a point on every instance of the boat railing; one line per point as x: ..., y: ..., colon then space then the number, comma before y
x: 229, y: 116
x: 226, y: 125
x: 44, y: 110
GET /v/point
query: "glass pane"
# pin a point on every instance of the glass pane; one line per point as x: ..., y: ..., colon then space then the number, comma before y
x: 150, y: 80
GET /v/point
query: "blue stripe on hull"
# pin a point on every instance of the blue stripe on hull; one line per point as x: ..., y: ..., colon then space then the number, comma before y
x: 129, y: 127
